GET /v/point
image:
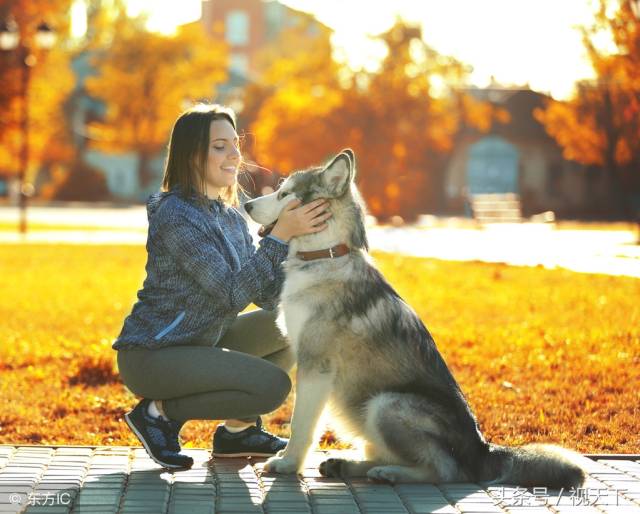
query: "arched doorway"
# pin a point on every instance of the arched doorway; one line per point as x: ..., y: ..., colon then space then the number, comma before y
x: 492, y: 167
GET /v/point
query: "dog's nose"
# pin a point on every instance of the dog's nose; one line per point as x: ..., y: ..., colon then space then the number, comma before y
x: 248, y: 207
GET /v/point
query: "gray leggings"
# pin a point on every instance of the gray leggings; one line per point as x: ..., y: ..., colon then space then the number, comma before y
x: 244, y: 376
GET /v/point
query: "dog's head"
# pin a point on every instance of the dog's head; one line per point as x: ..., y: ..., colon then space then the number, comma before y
x: 335, y: 182
x: 329, y: 182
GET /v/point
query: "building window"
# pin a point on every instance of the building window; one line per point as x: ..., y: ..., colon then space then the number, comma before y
x: 239, y: 64
x: 274, y: 14
x: 237, y: 28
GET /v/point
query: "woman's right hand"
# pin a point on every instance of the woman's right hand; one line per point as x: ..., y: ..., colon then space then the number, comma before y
x: 296, y: 220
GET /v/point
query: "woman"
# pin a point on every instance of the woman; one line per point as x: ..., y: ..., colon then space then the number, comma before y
x: 184, y: 348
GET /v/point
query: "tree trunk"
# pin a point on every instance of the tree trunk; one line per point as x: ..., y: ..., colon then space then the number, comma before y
x: 145, y: 174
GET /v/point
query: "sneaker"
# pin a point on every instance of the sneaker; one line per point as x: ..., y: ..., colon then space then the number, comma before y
x: 173, y: 434
x: 160, y: 437
x: 251, y: 442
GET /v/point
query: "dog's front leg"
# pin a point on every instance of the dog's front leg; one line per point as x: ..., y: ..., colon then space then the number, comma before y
x: 313, y: 387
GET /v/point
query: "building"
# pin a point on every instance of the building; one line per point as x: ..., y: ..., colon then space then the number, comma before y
x: 250, y: 25
x: 519, y: 157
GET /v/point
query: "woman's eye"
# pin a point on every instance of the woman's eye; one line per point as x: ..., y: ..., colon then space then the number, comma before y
x: 219, y: 147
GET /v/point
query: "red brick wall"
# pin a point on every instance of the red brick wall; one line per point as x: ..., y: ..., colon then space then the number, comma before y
x: 214, y: 14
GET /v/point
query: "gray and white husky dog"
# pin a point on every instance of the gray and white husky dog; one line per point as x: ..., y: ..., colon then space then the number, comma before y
x: 361, y: 346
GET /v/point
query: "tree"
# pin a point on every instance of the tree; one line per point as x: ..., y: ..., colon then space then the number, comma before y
x: 145, y: 80
x: 77, y: 181
x: 415, y: 106
x: 50, y: 80
x: 291, y: 109
x: 600, y: 124
x: 401, y: 120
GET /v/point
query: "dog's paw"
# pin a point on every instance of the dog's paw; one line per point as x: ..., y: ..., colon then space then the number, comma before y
x: 332, y: 468
x: 384, y: 474
x: 282, y: 465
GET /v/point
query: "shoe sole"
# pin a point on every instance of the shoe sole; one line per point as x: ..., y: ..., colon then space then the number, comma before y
x: 241, y: 454
x: 144, y: 444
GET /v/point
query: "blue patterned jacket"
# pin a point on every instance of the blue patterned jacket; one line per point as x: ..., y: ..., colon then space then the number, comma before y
x: 202, y: 270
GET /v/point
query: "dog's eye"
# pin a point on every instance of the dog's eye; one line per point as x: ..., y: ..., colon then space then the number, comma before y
x: 283, y: 194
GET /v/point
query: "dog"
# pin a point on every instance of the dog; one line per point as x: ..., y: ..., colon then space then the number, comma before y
x: 361, y: 346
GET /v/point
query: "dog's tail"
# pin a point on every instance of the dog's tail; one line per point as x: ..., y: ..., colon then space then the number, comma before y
x: 534, y: 465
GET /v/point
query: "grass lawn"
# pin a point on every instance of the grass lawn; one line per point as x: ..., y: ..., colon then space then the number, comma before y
x: 542, y: 355
x: 37, y: 227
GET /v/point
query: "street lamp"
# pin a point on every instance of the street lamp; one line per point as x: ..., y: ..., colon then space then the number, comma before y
x: 44, y: 38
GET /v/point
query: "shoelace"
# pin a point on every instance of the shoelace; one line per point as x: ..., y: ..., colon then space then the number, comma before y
x: 260, y: 427
x: 157, y: 435
x: 259, y: 430
x: 165, y: 433
x: 172, y: 431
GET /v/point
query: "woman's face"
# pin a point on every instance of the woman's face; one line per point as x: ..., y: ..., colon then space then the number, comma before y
x: 224, y: 157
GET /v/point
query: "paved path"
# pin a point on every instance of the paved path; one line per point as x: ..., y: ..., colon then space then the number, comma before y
x: 589, y: 251
x: 527, y: 244
x: 80, y: 214
x: 124, y: 480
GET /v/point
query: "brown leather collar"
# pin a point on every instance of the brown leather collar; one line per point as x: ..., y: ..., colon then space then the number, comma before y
x: 327, y: 253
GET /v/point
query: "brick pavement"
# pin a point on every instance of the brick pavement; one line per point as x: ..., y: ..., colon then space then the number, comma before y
x: 46, y: 479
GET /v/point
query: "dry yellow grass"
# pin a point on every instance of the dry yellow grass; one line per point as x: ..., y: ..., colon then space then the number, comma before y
x: 57, y: 227
x: 542, y: 355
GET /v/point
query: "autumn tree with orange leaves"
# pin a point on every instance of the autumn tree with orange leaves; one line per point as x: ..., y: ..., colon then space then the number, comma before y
x: 401, y: 121
x: 292, y: 107
x: 600, y: 125
x: 409, y: 116
x: 145, y: 79
x: 48, y: 82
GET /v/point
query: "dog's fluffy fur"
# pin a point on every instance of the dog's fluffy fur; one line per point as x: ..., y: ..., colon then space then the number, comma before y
x: 360, y: 345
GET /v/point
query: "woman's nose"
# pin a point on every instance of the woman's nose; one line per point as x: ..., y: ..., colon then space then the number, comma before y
x: 235, y: 153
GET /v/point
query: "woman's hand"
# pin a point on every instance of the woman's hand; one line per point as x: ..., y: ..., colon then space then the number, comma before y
x: 296, y: 220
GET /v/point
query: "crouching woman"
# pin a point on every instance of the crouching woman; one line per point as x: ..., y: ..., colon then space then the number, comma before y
x: 184, y: 348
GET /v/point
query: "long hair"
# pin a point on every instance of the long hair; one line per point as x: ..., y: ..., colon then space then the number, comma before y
x: 186, y: 163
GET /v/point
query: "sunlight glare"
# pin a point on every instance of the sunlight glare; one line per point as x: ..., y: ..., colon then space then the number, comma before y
x: 78, y: 19
x: 523, y: 44
x: 165, y: 16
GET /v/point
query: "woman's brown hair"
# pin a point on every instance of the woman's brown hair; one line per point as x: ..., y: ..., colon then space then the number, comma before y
x: 186, y: 163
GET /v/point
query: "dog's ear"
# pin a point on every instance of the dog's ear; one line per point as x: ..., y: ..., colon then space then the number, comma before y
x: 351, y: 155
x: 339, y: 173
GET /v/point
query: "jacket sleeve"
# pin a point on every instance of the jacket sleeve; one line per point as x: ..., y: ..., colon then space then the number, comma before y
x: 269, y: 297
x: 200, y: 259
